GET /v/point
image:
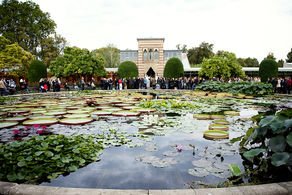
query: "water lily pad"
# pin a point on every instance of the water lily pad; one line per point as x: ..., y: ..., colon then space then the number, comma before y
x: 7, y: 124
x: 218, y: 117
x: 222, y: 122
x: 101, y: 112
x: 76, y: 121
x: 125, y: 113
x: 218, y: 127
x: 16, y: 118
x: 76, y: 115
x: 235, y: 169
x: 170, y: 153
x: 233, y: 113
x: 198, y: 172
x: 202, y: 116
x: 202, y: 163
x: 55, y: 113
x: 41, y: 121
x: 144, y: 110
x: 216, y: 134
x: 130, y: 107
x: 79, y: 111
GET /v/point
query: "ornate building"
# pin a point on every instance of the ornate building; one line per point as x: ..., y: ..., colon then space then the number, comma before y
x: 150, y: 56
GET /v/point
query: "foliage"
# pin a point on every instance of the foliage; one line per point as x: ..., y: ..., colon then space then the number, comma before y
x: 127, y: 69
x: 246, y: 88
x: 196, y: 55
x: 164, y: 104
x: 289, y: 57
x: 14, y: 58
x: 110, y: 54
x: 36, y: 71
x: 173, y: 68
x: 270, y: 56
x: 269, y: 146
x: 76, y: 61
x: 23, y: 22
x: 248, y: 62
x: 46, y: 157
x: 183, y: 48
x: 268, y: 69
x: 280, y: 63
x: 7, y: 100
x: 52, y: 47
x: 223, y: 65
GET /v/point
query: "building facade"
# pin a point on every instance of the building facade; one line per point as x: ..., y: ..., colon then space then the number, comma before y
x: 150, y: 56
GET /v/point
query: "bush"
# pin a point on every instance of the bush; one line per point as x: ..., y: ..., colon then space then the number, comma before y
x: 36, y: 71
x: 128, y: 69
x: 173, y: 68
x: 247, y: 88
x: 268, y: 69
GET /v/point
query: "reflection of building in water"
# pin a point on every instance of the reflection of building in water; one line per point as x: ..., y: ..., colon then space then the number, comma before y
x: 150, y: 56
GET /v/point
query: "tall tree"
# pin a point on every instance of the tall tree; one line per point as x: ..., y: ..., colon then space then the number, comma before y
x: 26, y: 24
x: 79, y: 62
x: 197, y: 54
x: 289, y: 57
x: 280, y: 63
x: 222, y: 65
x: 248, y: 62
x: 51, y: 48
x: 14, y: 58
x: 110, y: 54
x: 270, y: 56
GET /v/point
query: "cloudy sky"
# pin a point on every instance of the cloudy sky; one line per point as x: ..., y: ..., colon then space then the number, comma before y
x: 249, y: 28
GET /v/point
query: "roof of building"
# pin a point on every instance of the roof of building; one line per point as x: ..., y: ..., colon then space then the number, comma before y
x: 150, y: 39
x: 246, y: 69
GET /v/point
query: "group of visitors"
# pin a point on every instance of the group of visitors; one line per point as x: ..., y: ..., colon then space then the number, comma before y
x: 46, y: 84
x: 7, y: 87
x: 281, y: 85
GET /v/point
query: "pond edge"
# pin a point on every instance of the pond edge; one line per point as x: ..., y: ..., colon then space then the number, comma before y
x: 25, y: 189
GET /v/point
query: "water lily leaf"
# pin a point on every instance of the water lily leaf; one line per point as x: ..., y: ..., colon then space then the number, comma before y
x: 249, y: 155
x: 201, y: 163
x: 72, y: 168
x: 235, y: 169
x: 279, y: 159
x: 277, y: 144
x: 198, y: 172
x: 289, y: 139
x: 170, y: 153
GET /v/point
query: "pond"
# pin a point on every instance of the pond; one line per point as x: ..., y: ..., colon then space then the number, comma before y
x: 163, y: 146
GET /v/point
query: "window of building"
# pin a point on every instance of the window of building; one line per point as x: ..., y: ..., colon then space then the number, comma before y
x: 145, y: 54
x: 150, y: 54
x: 156, y: 54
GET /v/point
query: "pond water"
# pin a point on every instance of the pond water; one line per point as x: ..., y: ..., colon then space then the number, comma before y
x: 173, y: 154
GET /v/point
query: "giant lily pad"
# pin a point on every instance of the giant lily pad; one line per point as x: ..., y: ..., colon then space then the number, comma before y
x: 55, y: 113
x: 233, y: 113
x: 126, y: 113
x: 144, y: 110
x: 216, y: 134
x: 76, y: 115
x: 76, y: 121
x: 218, y: 127
x: 101, y: 112
x: 16, y: 118
x: 202, y: 116
x: 7, y: 124
x: 218, y: 117
x: 41, y: 121
x: 221, y: 122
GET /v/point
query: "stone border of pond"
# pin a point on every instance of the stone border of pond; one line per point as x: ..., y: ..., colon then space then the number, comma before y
x: 264, y: 189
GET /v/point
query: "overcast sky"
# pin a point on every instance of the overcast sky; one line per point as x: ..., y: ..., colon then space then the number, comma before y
x: 249, y: 28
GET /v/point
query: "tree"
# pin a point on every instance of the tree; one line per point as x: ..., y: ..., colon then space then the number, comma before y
x: 270, y: 56
x: 128, y: 69
x: 79, y: 62
x: 248, y: 62
x: 110, y: 54
x: 173, y: 68
x: 280, y: 63
x: 183, y: 49
x: 14, y: 58
x: 36, y: 71
x: 197, y: 54
x: 289, y: 57
x: 51, y: 48
x: 26, y: 24
x: 268, y: 69
x: 222, y: 65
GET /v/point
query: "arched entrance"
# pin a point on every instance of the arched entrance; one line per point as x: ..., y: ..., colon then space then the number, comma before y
x: 150, y: 72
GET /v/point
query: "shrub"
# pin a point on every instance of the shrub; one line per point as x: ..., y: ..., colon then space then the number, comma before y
x: 173, y: 68
x: 268, y: 69
x: 128, y: 69
x: 36, y: 71
x: 246, y: 88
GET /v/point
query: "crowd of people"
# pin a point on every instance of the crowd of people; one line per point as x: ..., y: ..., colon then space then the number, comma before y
x: 8, y: 87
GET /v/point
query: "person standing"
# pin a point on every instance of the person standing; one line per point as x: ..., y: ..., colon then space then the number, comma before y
x: 289, y: 85
x: 82, y: 83
x: 120, y: 84
x: 2, y: 87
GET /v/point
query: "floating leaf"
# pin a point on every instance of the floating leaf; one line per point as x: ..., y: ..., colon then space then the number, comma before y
x: 198, y: 172
x: 249, y: 155
x: 235, y: 169
x: 279, y: 159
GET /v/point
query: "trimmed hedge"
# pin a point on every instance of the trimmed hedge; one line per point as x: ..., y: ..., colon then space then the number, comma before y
x: 36, y: 71
x: 127, y: 69
x: 247, y: 88
x: 173, y: 68
x: 268, y: 69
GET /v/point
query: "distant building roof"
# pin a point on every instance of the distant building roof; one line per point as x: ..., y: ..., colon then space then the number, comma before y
x: 150, y: 39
